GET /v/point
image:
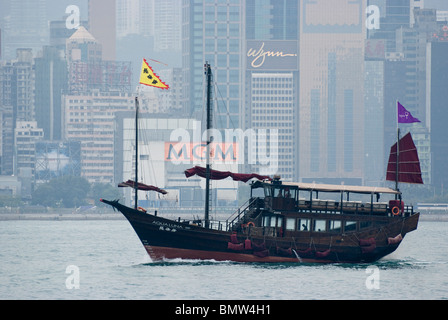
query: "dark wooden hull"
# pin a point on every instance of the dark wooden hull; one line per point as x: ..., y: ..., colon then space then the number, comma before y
x: 169, y: 239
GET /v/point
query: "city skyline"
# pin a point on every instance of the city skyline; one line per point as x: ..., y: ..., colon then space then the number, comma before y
x: 313, y: 71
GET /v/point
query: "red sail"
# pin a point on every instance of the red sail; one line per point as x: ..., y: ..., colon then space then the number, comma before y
x: 219, y: 175
x: 409, y: 164
x: 141, y: 186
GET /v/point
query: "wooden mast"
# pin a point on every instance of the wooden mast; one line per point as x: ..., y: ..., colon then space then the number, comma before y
x: 208, y: 74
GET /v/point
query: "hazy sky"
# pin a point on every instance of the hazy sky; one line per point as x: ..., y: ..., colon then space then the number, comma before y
x: 437, y: 4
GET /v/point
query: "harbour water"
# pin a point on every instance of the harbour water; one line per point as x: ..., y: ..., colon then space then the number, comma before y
x: 104, y: 259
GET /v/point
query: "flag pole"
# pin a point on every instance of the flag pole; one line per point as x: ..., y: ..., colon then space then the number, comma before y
x: 136, y: 155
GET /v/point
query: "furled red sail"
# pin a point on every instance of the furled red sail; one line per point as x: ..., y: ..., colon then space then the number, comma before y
x: 141, y: 186
x: 409, y: 163
x: 219, y: 175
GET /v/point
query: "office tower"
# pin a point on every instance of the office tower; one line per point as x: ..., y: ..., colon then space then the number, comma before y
x: 437, y: 96
x: 26, y: 27
x: 331, y: 98
x: 374, y: 120
x: 135, y: 17
x: 82, y: 46
x: 397, y: 15
x: 51, y: 82
x: 59, y: 33
x: 102, y: 25
x: 411, y: 42
x: 271, y: 82
x: 212, y: 31
x: 167, y: 25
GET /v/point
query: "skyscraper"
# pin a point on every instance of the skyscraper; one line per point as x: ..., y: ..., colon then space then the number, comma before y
x: 27, y: 27
x: 102, y: 25
x: 51, y: 82
x: 272, y: 81
x: 212, y: 31
x: 167, y: 25
x: 331, y: 99
x: 437, y: 98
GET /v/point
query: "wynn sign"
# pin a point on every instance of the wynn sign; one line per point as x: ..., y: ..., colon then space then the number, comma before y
x: 272, y: 55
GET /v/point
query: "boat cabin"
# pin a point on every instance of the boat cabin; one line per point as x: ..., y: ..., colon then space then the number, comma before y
x: 285, y: 207
x: 305, y: 197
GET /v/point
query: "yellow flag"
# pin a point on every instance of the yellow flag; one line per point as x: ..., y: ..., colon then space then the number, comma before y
x: 149, y: 78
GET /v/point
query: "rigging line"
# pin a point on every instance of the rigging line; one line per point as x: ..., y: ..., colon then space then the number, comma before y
x: 225, y: 106
x: 144, y: 133
x: 216, y: 90
x: 216, y: 87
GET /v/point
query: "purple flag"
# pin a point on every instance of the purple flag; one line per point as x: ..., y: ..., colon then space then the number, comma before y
x: 404, y: 116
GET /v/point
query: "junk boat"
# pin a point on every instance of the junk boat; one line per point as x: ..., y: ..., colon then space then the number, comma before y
x: 285, y: 221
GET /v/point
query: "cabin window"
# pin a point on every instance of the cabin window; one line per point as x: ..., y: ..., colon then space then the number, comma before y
x: 303, y: 224
x: 290, y: 224
x: 350, y: 226
x: 266, y: 221
x: 268, y: 192
x: 273, y: 221
x: 320, y: 225
x: 334, y: 226
x: 258, y: 193
x: 279, y: 222
x: 278, y: 192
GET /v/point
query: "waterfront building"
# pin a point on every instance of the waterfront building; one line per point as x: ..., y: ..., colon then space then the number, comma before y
x: 212, y: 31
x: 102, y: 25
x: 89, y: 119
x: 331, y: 98
x: 272, y: 81
x: 168, y: 145
x: 51, y: 82
x: 437, y: 97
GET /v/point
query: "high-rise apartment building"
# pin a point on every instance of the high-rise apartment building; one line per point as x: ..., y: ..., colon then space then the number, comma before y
x: 89, y: 118
x: 24, y: 85
x: 17, y: 79
x: 87, y: 69
x: 27, y: 133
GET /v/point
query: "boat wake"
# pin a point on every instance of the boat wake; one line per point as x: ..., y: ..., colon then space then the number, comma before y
x: 191, y: 262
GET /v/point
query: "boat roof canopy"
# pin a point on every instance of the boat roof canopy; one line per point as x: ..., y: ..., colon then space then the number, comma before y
x: 325, y: 187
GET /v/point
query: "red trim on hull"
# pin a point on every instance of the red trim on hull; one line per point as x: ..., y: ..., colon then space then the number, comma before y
x: 160, y: 253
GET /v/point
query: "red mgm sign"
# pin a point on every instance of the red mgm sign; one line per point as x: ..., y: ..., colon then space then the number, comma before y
x: 197, y: 152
